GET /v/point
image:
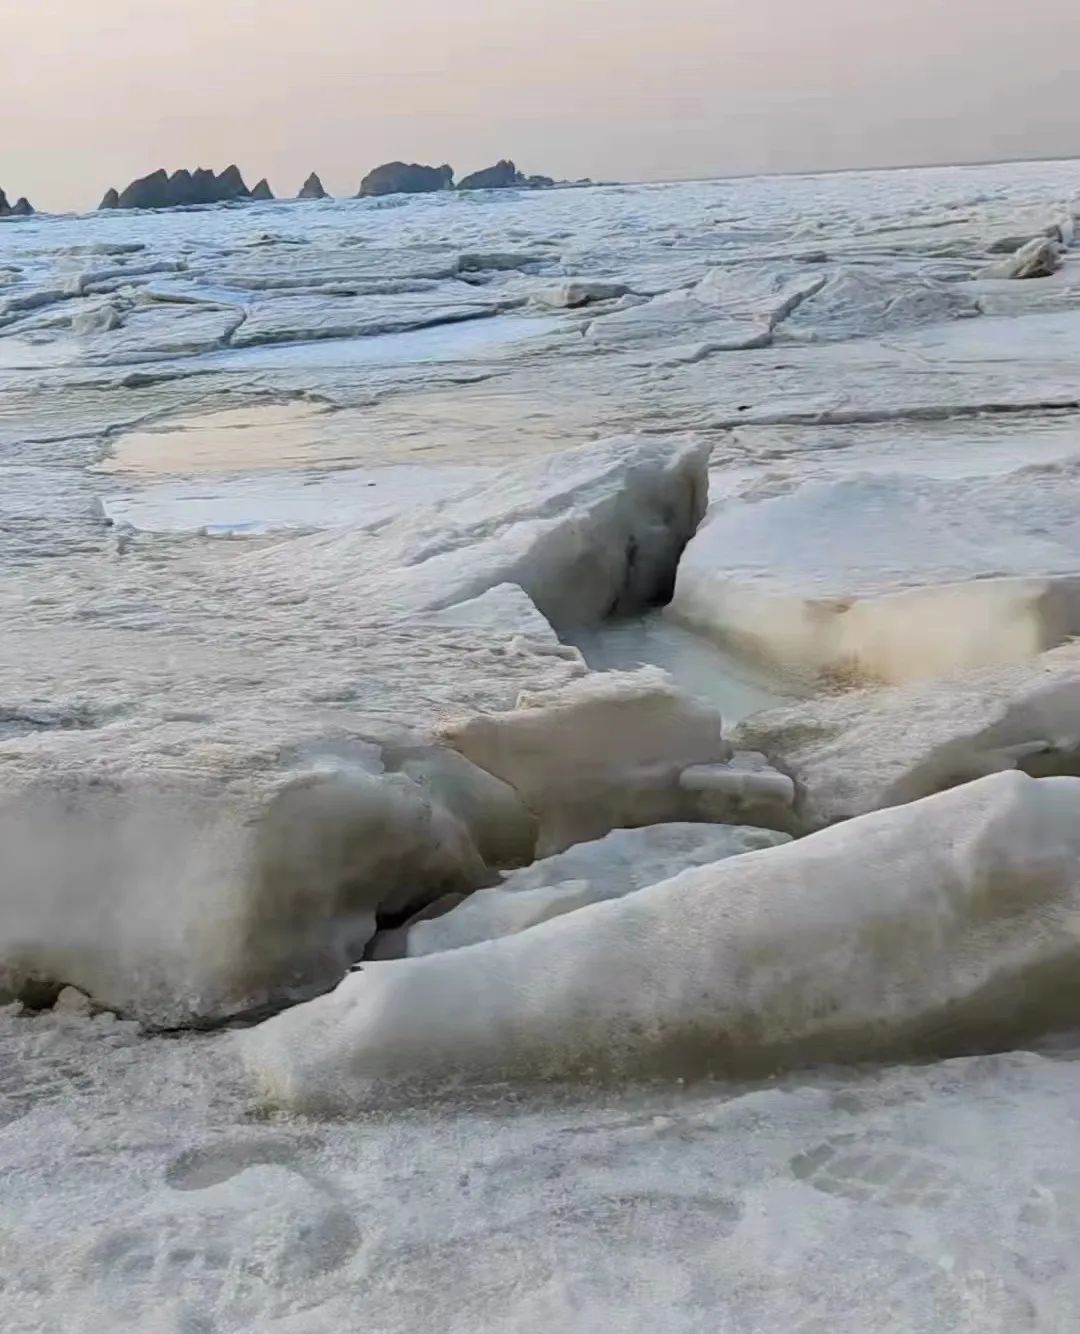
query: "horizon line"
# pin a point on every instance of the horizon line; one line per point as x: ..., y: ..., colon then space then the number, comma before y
x: 781, y: 173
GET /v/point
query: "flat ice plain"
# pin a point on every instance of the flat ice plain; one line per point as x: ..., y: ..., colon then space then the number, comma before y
x: 307, y: 510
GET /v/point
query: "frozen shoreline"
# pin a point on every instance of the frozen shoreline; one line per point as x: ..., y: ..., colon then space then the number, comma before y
x: 305, y: 692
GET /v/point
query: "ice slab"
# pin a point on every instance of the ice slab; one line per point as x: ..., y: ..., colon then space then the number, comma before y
x: 623, y: 862
x: 453, y: 341
x: 862, y: 750
x: 589, y: 533
x: 949, y: 574
x: 914, y: 930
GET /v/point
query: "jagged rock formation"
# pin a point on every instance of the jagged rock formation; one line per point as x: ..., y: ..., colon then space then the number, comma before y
x: 22, y: 208
x: 160, y: 190
x: 262, y: 192
x: 504, y: 175
x: 231, y: 183
x: 312, y: 189
x: 406, y: 178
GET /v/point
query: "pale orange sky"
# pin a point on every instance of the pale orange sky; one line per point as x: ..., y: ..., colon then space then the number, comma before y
x: 95, y: 92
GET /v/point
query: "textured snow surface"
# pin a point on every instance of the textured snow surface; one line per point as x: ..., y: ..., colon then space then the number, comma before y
x: 153, y: 1195
x: 365, y: 463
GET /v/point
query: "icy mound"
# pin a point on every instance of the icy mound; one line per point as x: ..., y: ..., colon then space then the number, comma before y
x: 951, y: 574
x: 915, y: 930
x: 621, y: 863
x: 593, y: 532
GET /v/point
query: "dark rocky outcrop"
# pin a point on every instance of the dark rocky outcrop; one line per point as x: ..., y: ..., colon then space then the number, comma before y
x: 312, y: 189
x: 262, y: 191
x: 504, y: 175
x: 147, y: 192
x: 231, y: 184
x: 22, y: 208
x: 406, y: 178
x: 182, y: 188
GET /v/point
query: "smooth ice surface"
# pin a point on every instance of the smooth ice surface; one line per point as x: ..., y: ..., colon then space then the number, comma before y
x: 274, y: 501
x: 697, y: 663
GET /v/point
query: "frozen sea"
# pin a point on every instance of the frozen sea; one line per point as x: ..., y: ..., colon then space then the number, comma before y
x: 181, y: 387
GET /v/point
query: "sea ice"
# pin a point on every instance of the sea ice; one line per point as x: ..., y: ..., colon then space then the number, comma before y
x: 950, y: 574
x: 861, y: 750
x: 620, y: 863
x: 911, y: 931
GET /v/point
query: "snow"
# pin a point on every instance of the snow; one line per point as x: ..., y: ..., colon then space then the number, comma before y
x: 151, y: 1196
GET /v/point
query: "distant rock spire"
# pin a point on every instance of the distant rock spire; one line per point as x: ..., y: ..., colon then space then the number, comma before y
x: 22, y: 208
x: 312, y: 189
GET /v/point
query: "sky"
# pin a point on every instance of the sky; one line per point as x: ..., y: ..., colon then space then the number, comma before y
x: 97, y: 92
